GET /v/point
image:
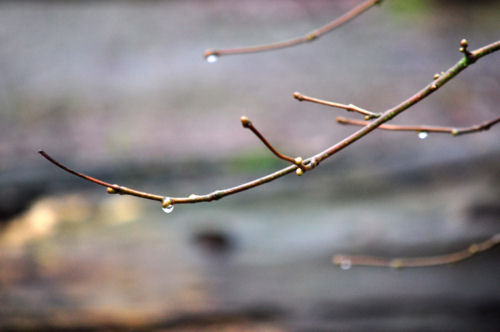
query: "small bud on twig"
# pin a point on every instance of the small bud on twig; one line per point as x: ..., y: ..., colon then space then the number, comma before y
x: 166, y: 203
x: 311, y: 37
x: 244, y: 121
x: 298, y: 161
x: 298, y: 96
x: 111, y: 190
x: 299, y: 171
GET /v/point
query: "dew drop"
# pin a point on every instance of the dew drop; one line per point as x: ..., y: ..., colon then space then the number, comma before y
x: 345, y: 264
x: 166, y: 205
x: 212, y: 58
x: 423, y: 134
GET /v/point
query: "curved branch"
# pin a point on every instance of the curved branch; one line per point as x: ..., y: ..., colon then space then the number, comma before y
x: 246, y: 123
x: 430, y: 129
x: 313, y: 161
x: 350, y: 108
x: 111, y: 188
x: 313, y: 35
x: 451, y: 258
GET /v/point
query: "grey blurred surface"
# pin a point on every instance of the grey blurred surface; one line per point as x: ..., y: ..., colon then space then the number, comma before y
x: 120, y: 90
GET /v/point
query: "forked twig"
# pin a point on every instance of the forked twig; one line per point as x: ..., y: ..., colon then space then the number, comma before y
x: 430, y: 129
x: 350, y: 108
x: 451, y: 258
x: 309, y: 163
x: 313, y: 35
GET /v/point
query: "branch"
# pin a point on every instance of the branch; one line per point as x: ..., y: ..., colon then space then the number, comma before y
x: 246, y: 123
x: 111, y: 188
x: 350, y: 108
x: 308, y: 163
x: 346, y: 261
x: 429, y: 129
x: 211, y: 55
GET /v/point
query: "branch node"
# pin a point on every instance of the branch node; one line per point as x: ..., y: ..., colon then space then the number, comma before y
x: 473, y: 249
x: 396, y: 264
x: 311, y: 37
x: 312, y: 163
x: 218, y: 194
x: 167, y: 203
x: 463, y: 49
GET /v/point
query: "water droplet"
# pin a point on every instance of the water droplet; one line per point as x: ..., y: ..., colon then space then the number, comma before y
x: 167, y: 205
x: 212, y: 58
x: 345, y: 264
x: 423, y: 134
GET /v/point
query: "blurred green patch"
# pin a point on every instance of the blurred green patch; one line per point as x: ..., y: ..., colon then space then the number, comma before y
x: 253, y: 161
x: 408, y: 9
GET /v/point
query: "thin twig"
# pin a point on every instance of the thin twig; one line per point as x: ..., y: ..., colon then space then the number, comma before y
x: 300, y: 40
x: 112, y: 188
x: 430, y: 129
x: 313, y: 161
x: 451, y: 258
x: 246, y: 123
x: 351, y: 108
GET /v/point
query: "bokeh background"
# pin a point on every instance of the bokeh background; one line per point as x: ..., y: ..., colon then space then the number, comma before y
x: 120, y: 90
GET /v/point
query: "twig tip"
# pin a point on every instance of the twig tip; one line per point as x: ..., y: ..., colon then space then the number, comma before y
x: 245, y: 122
x: 298, y: 96
x: 209, y: 52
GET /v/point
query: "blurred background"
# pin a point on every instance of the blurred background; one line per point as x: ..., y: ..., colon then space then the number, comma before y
x: 120, y: 91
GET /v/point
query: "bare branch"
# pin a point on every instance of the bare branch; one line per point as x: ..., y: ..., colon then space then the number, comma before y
x: 430, y: 129
x: 313, y: 161
x: 454, y: 257
x: 313, y: 35
x: 417, y: 97
x: 350, y: 108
